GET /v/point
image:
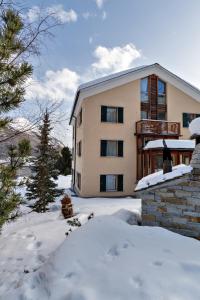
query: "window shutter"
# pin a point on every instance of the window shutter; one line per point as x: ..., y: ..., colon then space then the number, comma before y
x: 102, y: 183
x: 120, y: 148
x: 120, y: 115
x: 185, y: 120
x: 120, y: 183
x: 103, y: 113
x: 103, y: 147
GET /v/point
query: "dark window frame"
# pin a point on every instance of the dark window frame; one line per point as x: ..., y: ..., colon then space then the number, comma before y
x: 119, y: 183
x: 79, y: 148
x: 119, y: 150
x: 187, y: 118
x: 78, y: 180
x: 119, y: 114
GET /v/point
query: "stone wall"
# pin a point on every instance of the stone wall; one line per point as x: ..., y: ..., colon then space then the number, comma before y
x: 174, y: 204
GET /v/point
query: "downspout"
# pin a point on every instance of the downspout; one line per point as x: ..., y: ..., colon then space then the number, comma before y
x: 74, y: 175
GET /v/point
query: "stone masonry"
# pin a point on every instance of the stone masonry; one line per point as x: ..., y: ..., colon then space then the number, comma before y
x: 175, y: 204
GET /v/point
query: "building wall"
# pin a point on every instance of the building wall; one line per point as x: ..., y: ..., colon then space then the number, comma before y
x: 94, y: 130
x: 91, y: 165
x: 178, y: 103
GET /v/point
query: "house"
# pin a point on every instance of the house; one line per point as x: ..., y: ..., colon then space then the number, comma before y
x: 114, y: 117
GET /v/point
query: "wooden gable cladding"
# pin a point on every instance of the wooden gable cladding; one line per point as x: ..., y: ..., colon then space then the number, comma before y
x: 155, y: 110
x: 153, y: 95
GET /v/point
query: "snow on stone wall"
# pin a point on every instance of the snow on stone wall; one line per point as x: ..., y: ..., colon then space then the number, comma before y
x: 174, y: 204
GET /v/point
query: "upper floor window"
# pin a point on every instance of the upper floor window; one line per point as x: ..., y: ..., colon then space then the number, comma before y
x: 79, y: 119
x: 161, y: 92
x: 112, y: 114
x: 79, y: 148
x: 112, y: 148
x: 188, y: 117
x: 144, y: 90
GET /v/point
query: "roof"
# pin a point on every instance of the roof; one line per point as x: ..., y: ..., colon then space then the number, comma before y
x: 171, y: 144
x: 108, y: 82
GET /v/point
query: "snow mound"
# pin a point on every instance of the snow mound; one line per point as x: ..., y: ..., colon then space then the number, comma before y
x: 130, y: 217
x: 159, y: 177
x: 109, y: 259
x: 194, y: 127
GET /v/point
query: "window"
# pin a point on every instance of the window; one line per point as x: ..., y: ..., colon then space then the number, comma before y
x: 161, y: 115
x: 79, y: 119
x: 79, y: 146
x: 111, y: 183
x: 161, y: 92
x: 144, y: 114
x: 78, y: 180
x: 112, y: 148
x: 188, y: 117
x: 144, y: 90
x: 112, y: 114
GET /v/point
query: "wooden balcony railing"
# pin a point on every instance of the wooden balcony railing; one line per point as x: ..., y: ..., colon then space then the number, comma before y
x: 157, y: 127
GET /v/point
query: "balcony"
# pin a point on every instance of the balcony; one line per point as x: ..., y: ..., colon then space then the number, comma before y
x: 157, y: 128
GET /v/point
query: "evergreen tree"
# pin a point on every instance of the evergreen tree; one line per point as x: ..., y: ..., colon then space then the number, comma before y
x: 13, y: 72
x: 9, y: 199
x: 64, y: 162
x: 42, y: 187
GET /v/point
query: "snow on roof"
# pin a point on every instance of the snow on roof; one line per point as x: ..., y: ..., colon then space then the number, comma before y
x: 194, y: 127
x: 172, y: 144
x: 108, y: 77
x: 159, y: 177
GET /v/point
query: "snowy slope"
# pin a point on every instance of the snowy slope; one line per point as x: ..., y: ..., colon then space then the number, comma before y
x: 27, y: 243
x: 104, y: 259
x: 111, y: 260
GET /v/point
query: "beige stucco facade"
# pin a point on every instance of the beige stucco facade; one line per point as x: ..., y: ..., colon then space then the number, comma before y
x: 91, y: 165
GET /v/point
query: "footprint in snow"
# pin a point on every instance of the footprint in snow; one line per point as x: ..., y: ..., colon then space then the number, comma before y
x: 158, y: 263
x: 136, y: 282
x: 113, y: 251
x: 36, y: 245
x: 41, y: 258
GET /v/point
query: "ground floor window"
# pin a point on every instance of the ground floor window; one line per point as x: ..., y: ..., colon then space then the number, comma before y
x: 78, y: 180
x: 111, y: 183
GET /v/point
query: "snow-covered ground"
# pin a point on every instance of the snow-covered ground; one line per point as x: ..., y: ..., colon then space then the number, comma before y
x: 27, y: 243
x: 106, y: 258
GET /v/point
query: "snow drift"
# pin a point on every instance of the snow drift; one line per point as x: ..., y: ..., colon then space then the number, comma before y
x: 111, y: 260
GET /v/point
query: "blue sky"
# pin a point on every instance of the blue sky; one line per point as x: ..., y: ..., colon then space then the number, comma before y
x: 99, y: 37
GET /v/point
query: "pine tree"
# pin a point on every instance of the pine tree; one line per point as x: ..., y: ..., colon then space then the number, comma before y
x: 13, y: 72
x: 42, y: 187
x: 65, y: 161
x: 9, y: 199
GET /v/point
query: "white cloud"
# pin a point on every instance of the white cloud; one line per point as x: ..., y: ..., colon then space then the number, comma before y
x: 104, y: 15
x: 33, y: 13
x: 90, y: 40
x: 100, y: 3
x: 62, y: 84
x: 110, y: 60
x: 62, y: 15
x: 56, y: 85
x: 57, y: 12
x: 86, y: 15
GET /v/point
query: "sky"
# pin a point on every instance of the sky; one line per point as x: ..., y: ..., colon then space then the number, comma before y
x: 100, y: 37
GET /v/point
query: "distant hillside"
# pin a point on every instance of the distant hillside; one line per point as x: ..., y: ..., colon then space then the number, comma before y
x: 19, y: 129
